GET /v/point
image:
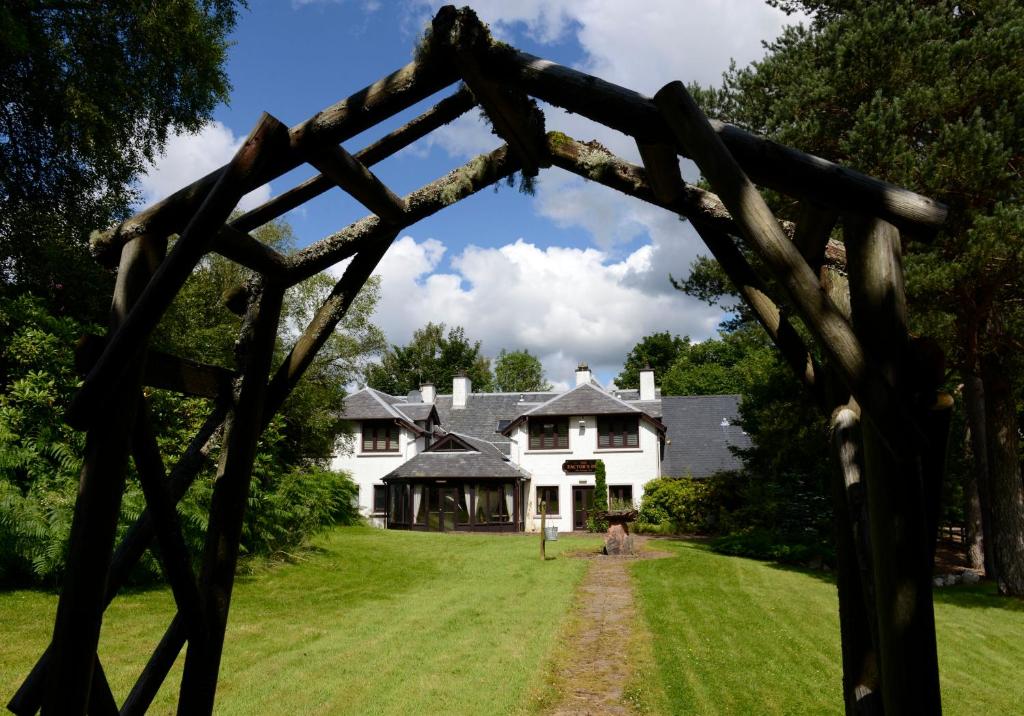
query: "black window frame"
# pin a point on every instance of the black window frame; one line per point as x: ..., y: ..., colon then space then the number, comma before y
x: 391, y: 436
x: 547, y: 489
x: 380, y: 507
x: 538, y: 434
x: 614, y: 492
x: 624, y: 428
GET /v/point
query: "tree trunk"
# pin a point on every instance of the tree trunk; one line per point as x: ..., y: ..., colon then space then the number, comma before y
x: 1006, y: 490
x: 977, y: 507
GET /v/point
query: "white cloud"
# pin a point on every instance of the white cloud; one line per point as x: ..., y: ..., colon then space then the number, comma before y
x: 188, y: 157
x: 562, y: 304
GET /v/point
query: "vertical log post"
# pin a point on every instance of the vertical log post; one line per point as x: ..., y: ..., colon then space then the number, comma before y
x: 857, y: 621
x: 895, y: 493
x: 243, y: 427
x: 83, y: 598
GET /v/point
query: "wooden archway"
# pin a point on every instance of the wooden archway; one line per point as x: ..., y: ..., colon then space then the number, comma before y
x: 890, y: 423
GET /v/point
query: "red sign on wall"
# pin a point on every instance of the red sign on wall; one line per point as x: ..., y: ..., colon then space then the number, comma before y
x: 579, y: 466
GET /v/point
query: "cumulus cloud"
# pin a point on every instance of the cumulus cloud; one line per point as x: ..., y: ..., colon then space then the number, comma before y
x: 567, y: 304
x: 562, y: 304
x: 188, y: 157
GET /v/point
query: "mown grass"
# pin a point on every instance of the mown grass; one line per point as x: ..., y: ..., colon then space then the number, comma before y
x: 368, y: 623
x: 737, y: 636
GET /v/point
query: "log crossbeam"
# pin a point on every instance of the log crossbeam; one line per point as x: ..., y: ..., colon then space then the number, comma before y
x: 162, y: 370
x: 513, y: 115
x: 352, y: 176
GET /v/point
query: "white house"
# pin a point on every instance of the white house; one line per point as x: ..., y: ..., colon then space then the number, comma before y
x: 485, y: 461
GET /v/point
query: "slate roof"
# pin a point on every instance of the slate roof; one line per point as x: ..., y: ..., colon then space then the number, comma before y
x: 369, y: 404
x: 480, y: 417
x: 699, y: 441
x: 415, y: 411
x: 485, y: 461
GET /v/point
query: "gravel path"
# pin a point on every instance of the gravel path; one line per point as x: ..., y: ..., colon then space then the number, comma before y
x: 597, y: 669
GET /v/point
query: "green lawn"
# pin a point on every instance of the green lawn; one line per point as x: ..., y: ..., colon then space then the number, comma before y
x: 374, y: 622
x: 737, y: 636
x: 369, y: 623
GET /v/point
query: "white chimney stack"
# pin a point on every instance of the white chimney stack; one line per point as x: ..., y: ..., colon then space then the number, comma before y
x: 427, y: 393
x: 582, y: 374
x: 461, y: 388
x: 647, y: 383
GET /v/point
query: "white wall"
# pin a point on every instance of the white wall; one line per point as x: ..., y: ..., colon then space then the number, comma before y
x: 623, y: 466
x: 368, y: 468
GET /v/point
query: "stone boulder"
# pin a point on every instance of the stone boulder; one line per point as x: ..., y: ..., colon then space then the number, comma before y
x: 618, y: 541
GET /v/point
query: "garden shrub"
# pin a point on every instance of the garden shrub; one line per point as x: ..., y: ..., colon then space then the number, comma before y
x: 677, y: 505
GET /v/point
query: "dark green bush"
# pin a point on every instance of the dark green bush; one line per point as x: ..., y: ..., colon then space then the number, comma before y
x: 764, y: 544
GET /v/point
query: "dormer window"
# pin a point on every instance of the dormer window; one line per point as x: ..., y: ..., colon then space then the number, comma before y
x: 549, y: 433
x: 380, y: 436
x: 618, y: 431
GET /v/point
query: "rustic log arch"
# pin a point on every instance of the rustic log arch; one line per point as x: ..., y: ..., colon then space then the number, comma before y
x: 881, y: 387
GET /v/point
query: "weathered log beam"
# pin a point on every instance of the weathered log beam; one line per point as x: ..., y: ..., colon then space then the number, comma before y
x: 770, y: 164
x: 243, y: 427
x: 760, y: 230
x: 662, y: 165
x: 69, y: 679
x: 163, y: 370
x: 265, y: 141
x: 513, y: 115
x: 358, y: 112
x: 478, y: 173
x: 240, y: 247
x: 146, y: 687
x: 352, y: 176
x: 173, y: 552
x: 858, y: 623
x: 714, y: 224
x: 29, y: 695
x: 811, y: 236
x: 900, y: 538
x: 442, y: 113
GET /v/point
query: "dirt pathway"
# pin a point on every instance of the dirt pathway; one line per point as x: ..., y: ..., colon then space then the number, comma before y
x: 597, y: 667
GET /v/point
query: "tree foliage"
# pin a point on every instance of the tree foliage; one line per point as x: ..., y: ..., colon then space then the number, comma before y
x: 519, y: 371
x: 658, y: 350
x: 431, y: 356
x: 731, y: 363
x: 926, y: 95
x: 88, y: 95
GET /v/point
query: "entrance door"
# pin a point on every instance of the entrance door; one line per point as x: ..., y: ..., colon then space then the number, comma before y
x: 582, y: 504
x: 449, y: 507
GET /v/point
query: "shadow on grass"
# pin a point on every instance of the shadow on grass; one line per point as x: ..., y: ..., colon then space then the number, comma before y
x: 974, y: 596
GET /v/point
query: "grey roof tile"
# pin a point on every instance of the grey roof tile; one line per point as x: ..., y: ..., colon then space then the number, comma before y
x: 479, y: 419
x: 701, y: 429
x: 368, y: 404
x: 415, y: 411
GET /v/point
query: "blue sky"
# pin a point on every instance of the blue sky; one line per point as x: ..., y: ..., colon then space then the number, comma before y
x: 575, y: 272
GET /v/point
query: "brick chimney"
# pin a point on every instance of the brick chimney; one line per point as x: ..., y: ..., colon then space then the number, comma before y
x: 461, y: 388
x: 647, y: 383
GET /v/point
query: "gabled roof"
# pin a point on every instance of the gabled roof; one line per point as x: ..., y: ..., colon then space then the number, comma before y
x: 370, y: 404
x: 479, y: 460
x: 584, y: 399
x: 480, y: 417
x: 701, y: 429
